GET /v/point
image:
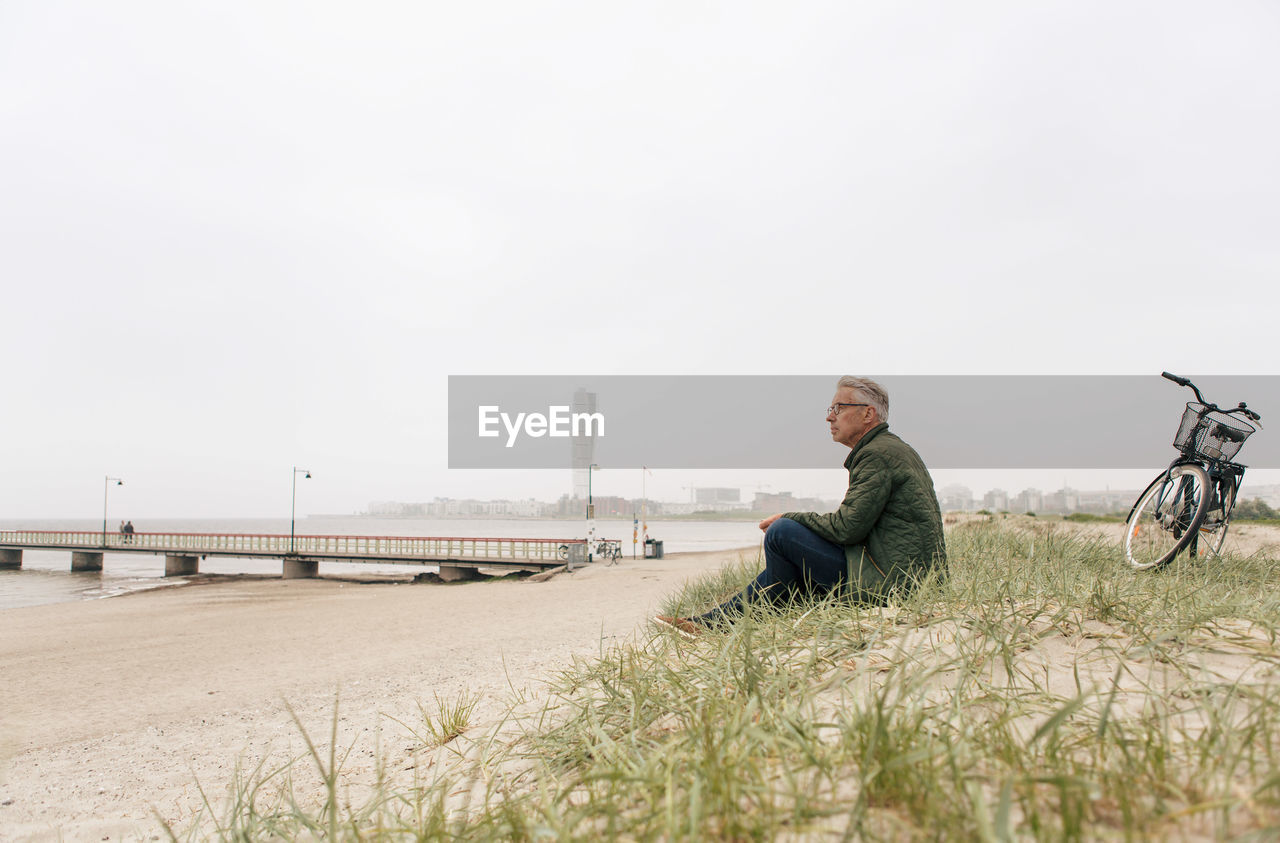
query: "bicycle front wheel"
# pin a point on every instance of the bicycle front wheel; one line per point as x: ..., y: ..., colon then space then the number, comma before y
x: 1166, y: 517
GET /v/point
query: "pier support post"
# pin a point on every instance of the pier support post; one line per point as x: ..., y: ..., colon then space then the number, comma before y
x: 10, y: 557
x: 454, y: 573
x: 296, y: 569
x: 181, y: 566
x: 86, y: 560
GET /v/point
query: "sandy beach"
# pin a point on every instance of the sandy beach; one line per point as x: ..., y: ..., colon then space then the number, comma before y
x: 113, y: 709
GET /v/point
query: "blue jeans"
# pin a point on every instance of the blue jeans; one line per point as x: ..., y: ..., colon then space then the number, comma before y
x: 796, y: 561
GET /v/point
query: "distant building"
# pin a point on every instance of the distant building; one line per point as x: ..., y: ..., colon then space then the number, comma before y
x: 996, y: 500
x: 396, y: 509
x: 772, y: 502
x: 716, y: 495
x: 956, y: 498
x: 611, y: 505
x: 1028, y: 500
x: 528, y: 508
x: 1066, y: 501
x: 1106, y: 502
x: 444, y: 508
x: 471, y: 508
x: 571, y: 506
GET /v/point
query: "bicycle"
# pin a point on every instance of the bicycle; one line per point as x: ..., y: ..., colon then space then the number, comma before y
x: 1190, y: 502
x: 609, y: 549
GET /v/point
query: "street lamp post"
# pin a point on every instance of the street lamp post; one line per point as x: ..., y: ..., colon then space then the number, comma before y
x: 293, y: 503
x: 644, y: 503
x: 106, y: 485
x: 591, y: 517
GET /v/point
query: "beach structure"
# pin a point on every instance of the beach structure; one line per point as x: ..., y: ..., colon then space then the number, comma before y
x: 457, y: 558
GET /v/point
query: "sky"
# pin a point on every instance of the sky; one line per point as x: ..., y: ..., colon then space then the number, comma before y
x: 236, y: 238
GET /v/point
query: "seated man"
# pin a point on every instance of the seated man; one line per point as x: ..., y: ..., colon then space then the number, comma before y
x: 885, y: 536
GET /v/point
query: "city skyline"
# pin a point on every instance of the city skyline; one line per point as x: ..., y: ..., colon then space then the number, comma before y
x: 664, y: 485
x: 952, y: 498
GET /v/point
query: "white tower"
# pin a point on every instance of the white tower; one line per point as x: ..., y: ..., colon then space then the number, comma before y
x: 583, y: 446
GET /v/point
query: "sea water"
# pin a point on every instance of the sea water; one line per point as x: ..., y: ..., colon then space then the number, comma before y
x: 46, y: 576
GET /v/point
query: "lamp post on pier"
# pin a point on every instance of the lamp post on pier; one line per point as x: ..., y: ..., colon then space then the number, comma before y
x: 644, y: 503
x: 293, y: 503
x: 106, y: 486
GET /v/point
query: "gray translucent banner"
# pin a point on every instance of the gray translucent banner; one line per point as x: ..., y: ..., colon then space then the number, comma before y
x: 711, y: 421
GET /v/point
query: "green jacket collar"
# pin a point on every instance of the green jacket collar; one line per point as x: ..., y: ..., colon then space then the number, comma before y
x: 870, y: 434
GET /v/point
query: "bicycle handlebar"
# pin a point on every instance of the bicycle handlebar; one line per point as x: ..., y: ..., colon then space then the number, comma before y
x: 1180, y: 381
x: 1242, y: 409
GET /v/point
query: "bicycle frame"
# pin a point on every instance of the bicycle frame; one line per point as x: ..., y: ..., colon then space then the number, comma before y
x: 1222, y: 474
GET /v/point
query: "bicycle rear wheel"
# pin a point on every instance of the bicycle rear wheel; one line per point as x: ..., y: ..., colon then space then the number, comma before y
x: 1166, y: 517
x: 1213, y: 529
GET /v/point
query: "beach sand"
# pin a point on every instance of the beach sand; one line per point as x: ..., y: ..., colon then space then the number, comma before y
x: 114, y: 708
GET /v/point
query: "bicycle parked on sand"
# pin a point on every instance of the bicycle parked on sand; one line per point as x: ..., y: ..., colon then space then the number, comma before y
x: 1188, y: 506
x: 609, y: 549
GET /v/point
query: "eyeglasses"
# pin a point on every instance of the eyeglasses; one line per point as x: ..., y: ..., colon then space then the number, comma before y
x: 834, y: 409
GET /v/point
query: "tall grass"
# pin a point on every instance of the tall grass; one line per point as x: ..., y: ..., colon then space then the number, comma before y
x: 1042, y: 691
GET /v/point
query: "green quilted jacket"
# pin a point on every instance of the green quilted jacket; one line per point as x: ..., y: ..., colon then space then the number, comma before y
x: 889, y: 522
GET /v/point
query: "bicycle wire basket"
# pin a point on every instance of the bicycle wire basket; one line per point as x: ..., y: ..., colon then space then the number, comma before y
x: 1211, y: 435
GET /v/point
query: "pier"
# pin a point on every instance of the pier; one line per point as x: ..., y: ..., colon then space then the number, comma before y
x: 456, y: 558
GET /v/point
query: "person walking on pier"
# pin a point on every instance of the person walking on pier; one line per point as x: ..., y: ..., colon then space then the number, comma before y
x: 885, y: 536
x: 128, y: 532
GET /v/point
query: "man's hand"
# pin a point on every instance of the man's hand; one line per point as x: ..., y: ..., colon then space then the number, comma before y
x: 764, y: 525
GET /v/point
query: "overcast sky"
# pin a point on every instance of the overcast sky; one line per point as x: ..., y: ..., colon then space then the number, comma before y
x: 237, y: 237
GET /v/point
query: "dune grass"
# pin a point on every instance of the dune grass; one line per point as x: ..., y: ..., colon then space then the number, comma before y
x: 1043, y: 691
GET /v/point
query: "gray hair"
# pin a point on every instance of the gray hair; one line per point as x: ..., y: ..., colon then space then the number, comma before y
x: 870, y: 392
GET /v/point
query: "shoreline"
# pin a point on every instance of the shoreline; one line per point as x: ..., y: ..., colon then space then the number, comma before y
x: 112, y: 707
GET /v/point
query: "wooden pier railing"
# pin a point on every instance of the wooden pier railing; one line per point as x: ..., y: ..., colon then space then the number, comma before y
x: 393, y: 549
